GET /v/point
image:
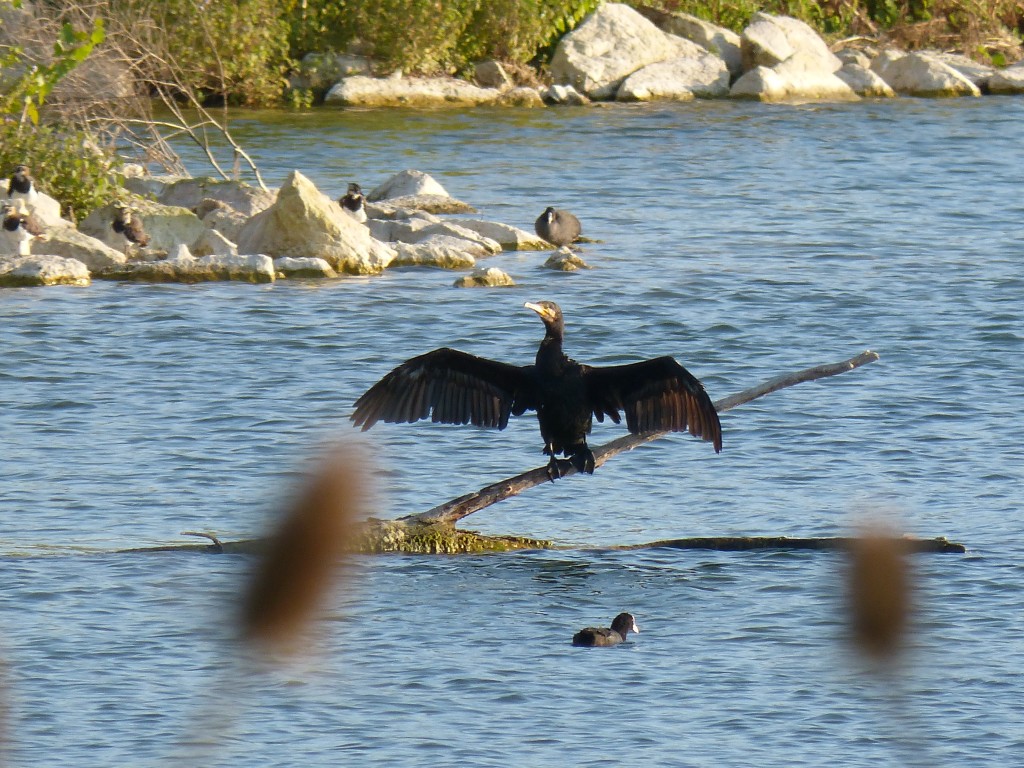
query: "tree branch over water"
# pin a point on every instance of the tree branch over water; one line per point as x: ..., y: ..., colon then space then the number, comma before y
x: 452, y: 511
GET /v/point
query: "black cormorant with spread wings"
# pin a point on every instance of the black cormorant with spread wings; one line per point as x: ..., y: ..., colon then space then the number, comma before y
x: 454, y: 387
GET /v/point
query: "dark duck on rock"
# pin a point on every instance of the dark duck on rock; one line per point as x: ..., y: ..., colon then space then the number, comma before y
x: 353, y: 202
x: 560, y: 228
x: 599, y: 637
x: 454, y: 387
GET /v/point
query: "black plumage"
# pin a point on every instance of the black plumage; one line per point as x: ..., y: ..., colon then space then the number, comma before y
x: 557, y: 227
x: 353, y: 201
x: 21, y: 183
x: 454, y: 387
x: 128, y: 223
x: 592, y: 637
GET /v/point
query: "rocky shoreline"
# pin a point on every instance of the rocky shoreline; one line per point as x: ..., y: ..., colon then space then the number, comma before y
x: 619, y: 54
x: 201, y: 229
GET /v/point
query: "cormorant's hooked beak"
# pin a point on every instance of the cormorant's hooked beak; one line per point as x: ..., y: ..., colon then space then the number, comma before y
x: 545, y: 313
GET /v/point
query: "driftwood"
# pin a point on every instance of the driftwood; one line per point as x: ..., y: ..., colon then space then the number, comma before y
x: 456, y: 509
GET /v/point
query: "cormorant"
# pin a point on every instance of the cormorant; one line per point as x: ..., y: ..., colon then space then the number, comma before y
x: 21, y: 184
x: 592, y: 637
x: 454, y: 387
x: 127, y: 223
x: 557, y: 227
x: 353, y: 202
x: 20, y: 228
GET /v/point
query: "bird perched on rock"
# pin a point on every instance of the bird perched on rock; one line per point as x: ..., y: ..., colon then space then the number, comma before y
x: 454, y: 387
x: 21, y: 184
x: 593, y: 637
x: 128, y: 224
x: 557, y: 227
x: 353, y: 202
x: 20, y: 228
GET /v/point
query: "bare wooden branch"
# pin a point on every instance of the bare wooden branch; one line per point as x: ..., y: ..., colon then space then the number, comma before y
x: 452, y: 511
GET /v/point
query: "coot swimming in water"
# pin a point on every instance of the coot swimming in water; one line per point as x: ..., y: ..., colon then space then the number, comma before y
x: 592, y: 637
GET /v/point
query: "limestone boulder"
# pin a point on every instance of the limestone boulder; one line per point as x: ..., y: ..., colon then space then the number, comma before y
x: 489, y: 277
x: 522, y: 96
x: 362, y: 91
x: 409, y: 205
x: 508, y: 237
x: 798, y: 78
x: 166, y: 225
x: 407, y: 183
x: 920, y: 74
x: 683, y: 79
x: 213, y: 243
x: 288, y: 267
x: 769, y: 40
x: 244, y: 198
x: 722, y: 42
x: 491, y: 74
x: 227, y: 221
x: 1009, y: 80
x: 436, y: 251
x: 609, y: 45
x: 185, y: 268
x: 70, y: 243
x: 978, y: 73
x: 564, y: 95
x: 304, y: 222
x: 319, y: 71
x: 864, y: 82
x: 42, y: 269
x: 564, y: 260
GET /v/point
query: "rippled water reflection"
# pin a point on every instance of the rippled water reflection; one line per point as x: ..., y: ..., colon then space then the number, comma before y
x: 746, y: 240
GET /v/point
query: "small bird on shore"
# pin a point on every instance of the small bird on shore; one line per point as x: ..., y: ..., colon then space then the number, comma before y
x: 454, y: 387
x: 21, y: 184
x: 353, y: 202
x: 601, y: 637
x: 560, y: 228
x: 20, y: 228
x: 128, y: 224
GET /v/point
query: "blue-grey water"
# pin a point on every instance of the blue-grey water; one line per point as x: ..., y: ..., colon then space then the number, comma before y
x: 747, y: 241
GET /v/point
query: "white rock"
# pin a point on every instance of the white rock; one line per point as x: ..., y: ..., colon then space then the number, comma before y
x: 564, y: 95
x: 227, y: 221
x: 769, y: 40
x: 489, y: 277
x: 864, y: 82
x: 522, y: 96
x: 41, y: 269
x: 300, y: 268
x: 361, y: 91
x: 609, y: 45
x: 719, y: 41
x: 68, y: 242
x: 179, y: 251
x: 305, y: 222
x: 166, y: 225
x: 508, y: 237
x: 978, y: 73
x: 491, y: 74
x: 918, y: 74
x: 408, y: 183
x: 798, y: 78
x: 213, y: 243
x: 682, y: 79
x: 446, y: 253
x: 188, y: 269
x: 1009, y: 80
x: 244, y: 198
x: 564, y: 260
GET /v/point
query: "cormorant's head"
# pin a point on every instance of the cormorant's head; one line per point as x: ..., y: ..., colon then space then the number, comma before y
x: 355, y: 189
x: 549, y: 313
x: 21, y: 170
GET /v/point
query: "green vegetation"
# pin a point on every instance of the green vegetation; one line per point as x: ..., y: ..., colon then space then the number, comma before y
x: 67, y: 162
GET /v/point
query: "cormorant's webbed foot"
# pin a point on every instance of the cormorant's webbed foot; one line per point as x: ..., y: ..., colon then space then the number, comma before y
x: 556, y: 468
x: 583, y: 460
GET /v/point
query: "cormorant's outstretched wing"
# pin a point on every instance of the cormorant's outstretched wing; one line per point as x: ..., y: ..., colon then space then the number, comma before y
x: 656, y: 395
x: 451, y: 387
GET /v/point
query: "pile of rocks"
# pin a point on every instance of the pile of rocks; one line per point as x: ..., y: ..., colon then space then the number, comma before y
x: 617, y: 53
x: 203, y: 229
